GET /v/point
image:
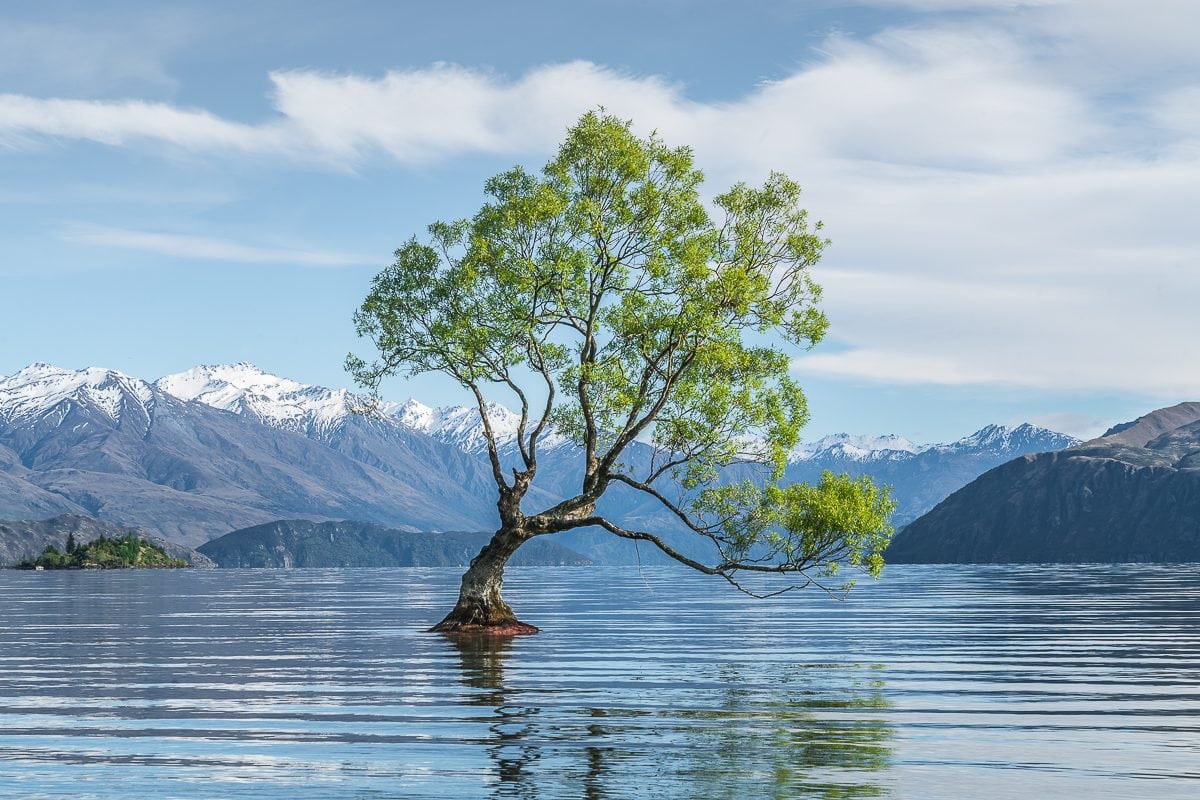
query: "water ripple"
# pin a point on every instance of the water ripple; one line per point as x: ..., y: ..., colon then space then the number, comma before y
x: 936, y: 682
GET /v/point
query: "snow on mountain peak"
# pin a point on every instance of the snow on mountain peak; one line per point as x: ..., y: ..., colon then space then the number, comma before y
x: 991, y: 438
x: 284, y: 403
x: 280, y: 402
x: 416, y: 415
x: 40, y: 387
x: 1002, y: 437
x: 462, y: 426
x: 223, y: 385
x: 857, y: 447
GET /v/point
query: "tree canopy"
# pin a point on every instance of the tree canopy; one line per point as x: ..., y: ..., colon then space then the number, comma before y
x: 613, y: 307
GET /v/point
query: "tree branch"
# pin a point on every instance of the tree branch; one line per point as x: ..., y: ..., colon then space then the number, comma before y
x: 674, y: 509
x: 489, y: 434
x: 726, y: 570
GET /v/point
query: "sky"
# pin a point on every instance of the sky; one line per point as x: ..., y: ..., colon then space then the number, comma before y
x: 1011, y: 188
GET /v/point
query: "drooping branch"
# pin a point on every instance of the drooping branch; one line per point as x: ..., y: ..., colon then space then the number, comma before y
x: 682, y: 515
x: 727, y: 570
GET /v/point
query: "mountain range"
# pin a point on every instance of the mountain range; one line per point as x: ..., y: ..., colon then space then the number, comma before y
x: 102, y: 443
x: 1131, y: 495
x: 921, y: 476
x: 197, y: 454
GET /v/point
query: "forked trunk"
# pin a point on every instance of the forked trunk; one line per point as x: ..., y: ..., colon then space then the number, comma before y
x: 480, y: 609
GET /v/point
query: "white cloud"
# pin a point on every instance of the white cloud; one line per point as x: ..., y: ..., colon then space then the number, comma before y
x: 993, y: 223
x: 204, y: 248
x: 1118, y: 36
x: 25, y: 119
x: 1131, y: 332
x: 907, y: 97
x: 897, y: 366
x: 1178, y: 112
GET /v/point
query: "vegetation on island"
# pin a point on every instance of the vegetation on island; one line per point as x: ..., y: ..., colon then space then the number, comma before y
x: 126, y: 552
x: 611, y: 307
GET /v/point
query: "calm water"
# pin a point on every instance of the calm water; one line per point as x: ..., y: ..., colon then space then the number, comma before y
x: 937, y: 682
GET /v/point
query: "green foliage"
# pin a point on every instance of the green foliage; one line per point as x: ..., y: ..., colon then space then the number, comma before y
x: 127, y: 551
x: 605, y: 284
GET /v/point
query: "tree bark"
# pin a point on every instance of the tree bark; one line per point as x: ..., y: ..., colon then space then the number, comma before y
x: 480, y: 609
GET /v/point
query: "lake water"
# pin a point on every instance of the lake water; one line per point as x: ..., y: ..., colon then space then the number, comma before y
x: 935, y: 682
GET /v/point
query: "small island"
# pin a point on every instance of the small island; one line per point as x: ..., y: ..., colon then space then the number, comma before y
x: 126, y: 552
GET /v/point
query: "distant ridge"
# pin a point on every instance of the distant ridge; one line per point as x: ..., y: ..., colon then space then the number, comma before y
x: 302, y: 543
x: 1132, y: 495
x: 1142, y: 430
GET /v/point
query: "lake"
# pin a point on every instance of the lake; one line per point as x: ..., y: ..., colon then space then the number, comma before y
x: 934, y: 682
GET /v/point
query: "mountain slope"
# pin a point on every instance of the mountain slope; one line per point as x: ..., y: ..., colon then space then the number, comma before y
x: 1140, y: 431
x: 20, y: 499
x: 372, y: 434
x: 1132, y: 495
x: 126, y: 451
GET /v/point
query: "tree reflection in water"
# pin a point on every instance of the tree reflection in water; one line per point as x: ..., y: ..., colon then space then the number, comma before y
x: 805, y: 731
x: 820, y: 734
x: 482, y: 659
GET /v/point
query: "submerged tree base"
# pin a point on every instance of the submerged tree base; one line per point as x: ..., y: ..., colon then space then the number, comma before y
x: 509, y: 628
x: 474, y: 616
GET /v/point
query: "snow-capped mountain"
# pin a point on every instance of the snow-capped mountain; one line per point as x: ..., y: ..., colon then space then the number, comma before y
x: 99, y: 442
x: 862, y: 447
x: 279, y: 402
x: 427, y: 447
x: 996, y: 439
x: 462, y: 427
x: 39, y: 388
x: 1000, y: 439
x: 459, y: 425
x: 319, y: 412
x: 921, y: 476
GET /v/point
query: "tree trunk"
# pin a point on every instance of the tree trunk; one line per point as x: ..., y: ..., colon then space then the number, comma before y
x: 480, y: 609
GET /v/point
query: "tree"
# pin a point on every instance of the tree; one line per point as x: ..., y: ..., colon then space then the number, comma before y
x: 612, y: 308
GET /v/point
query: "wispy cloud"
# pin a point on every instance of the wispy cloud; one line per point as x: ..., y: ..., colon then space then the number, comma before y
x: 994, y: 221
x: 95, y: 52
x: 25, y: 120
x: 907, y: 97
x: 204, y: 248
x: 1083, y: 426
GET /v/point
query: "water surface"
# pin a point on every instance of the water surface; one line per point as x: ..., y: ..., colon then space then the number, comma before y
x: 936, y: 682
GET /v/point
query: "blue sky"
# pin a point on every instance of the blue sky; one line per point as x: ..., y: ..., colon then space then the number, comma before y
x: 1011, y: 187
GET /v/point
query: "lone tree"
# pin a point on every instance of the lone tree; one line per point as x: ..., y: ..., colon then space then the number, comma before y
x: 616, y: 311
